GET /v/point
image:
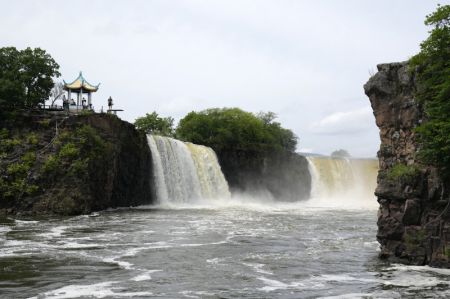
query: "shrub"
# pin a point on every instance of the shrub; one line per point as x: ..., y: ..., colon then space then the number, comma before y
x: 32, y: 138
x: 51, y: 164
x: 403, y: 172
x: 69, y: 151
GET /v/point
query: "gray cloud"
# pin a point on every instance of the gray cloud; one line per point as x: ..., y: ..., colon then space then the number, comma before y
x: 304, y: 60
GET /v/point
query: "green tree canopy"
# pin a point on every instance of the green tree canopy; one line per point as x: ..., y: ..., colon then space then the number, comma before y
x: 26, y: 77
x: 340, y: 153
x: 235, y: 129
x: 432, y: 65
x: 154, y: 124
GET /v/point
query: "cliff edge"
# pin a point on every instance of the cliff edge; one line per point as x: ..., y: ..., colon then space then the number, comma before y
x: 69, y: 165
x: 414, y: 217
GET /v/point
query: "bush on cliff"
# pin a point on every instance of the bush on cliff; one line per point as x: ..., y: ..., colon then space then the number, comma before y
x: 433, y: 90
x: 26, y: 77
x: 234, y: 129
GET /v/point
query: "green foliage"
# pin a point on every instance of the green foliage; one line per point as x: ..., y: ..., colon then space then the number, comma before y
x: 25, y: 77
x: 154, y: 124
x: 235, y: 129
x: 45, y: 123
x: 432, y: 65
x: 17, y: 170
x: 340, y: 153
x: 29, y: 159
x: 7, y: 145
x: 403, y: 172
x: 51, y: 164
x: 4, y: 133
x: 69, y: 151
x: 32, y: 138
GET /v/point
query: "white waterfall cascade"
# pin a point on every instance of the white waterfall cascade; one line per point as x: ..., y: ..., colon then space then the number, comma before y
x: 343, y: 182
x: 185, y: 172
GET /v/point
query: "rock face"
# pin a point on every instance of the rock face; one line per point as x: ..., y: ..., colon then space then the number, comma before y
x: 414, y: 217
x: 281, y: 175
x: 90, y: 163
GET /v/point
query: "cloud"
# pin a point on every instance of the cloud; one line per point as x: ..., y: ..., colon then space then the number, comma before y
x: 344, y: 123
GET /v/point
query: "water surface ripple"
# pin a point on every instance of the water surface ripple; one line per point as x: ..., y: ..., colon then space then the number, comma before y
x: 290, y: 251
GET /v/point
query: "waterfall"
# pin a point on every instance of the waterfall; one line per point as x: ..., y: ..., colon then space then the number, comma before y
x: 185, y: 172
x: 342, y: 180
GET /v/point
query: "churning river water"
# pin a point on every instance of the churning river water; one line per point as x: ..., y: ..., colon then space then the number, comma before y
x: 233, y: 250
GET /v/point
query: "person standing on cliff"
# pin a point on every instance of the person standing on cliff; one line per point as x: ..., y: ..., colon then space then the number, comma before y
x: 110, y: 103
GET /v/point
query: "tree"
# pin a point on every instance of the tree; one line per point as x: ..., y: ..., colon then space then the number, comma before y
x: 340, y: 153
x: 432, y: 68
x: 234, y: 129
x: 153, y: 124
x: 56, y: 92
x: 26, y: 77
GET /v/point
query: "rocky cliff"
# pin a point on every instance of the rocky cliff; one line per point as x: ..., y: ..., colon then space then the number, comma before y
x: 414, y: 217
x: 71, y: 165
x: 281, y: 175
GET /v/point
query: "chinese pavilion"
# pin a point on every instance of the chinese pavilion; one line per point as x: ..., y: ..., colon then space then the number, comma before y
x: 80, y: 86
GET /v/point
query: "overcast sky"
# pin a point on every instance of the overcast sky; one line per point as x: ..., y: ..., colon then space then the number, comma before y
x: 306, y: 61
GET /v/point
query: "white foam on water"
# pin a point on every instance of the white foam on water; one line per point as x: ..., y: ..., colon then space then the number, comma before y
x: 214, y: 261
x: 55, y: 232
x: 145, y: 276
x: 258, y: 268
x: 381, y: 295
x: 122, y: 264
x: 25, y: 222
x: 98, y: 290
x: 415, y: 277
x: 76, y: 245
x: 196, y: 294
x: 399, y: 267
x: 273, y: 285
x: 342, y: 278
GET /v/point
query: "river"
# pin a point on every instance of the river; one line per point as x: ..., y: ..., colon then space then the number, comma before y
x: 239, y: 248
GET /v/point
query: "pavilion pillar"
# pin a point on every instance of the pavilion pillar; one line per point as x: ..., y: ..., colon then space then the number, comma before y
x: 89, y: 100
x: 69, y: 94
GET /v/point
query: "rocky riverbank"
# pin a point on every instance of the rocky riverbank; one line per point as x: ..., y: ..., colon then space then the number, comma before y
x: 414, y: 216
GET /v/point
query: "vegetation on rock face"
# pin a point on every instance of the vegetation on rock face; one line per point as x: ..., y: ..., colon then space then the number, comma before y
x: 154, y: 124
x: 32, y: 162
x: 235, y: 129
x: 26, y: 77
x: 406, y: 173
x: 433, y: 90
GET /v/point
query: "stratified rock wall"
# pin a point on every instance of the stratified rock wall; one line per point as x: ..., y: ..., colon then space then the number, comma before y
x: 413, y: 224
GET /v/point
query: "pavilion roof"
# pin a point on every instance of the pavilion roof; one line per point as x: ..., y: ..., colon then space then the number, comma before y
x: 81, y: 84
